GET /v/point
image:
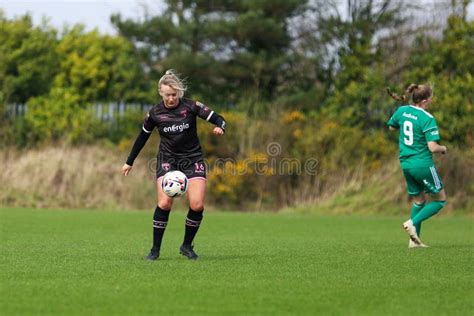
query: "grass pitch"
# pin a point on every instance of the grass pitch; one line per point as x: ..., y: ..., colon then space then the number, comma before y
x: 82, y: 262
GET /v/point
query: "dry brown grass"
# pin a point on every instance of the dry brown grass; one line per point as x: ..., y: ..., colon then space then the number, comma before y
x: 90, y: 177
x: 383, y: 192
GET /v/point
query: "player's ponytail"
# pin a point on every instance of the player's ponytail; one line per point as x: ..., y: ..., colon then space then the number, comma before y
x: 405, y: 97
x: 170, y: 78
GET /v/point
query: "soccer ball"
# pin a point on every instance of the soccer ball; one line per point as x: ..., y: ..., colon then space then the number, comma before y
x: 174, y: 184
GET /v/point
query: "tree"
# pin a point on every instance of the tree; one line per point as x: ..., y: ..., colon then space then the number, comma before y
x: 29, y: 59
x: 92, y: 68
x: 100, y: 68
x: 446, y: 63
x: 236, y: 47
x: 28, y: 62
x: 358, y: 98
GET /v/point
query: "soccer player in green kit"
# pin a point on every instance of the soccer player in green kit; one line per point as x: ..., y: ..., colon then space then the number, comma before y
x: 419, y: 136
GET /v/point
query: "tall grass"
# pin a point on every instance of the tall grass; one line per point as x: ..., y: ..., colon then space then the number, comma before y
x: 90, y: 177
x: 383, y: 191
x: 85, y: 176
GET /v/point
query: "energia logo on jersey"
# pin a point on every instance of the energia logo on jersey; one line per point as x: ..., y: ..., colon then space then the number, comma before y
x: 176, y: 128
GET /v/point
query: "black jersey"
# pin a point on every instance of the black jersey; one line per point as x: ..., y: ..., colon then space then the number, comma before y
x: 177, y: 127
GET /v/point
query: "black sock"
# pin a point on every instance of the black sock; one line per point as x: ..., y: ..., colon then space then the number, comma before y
x: 160, y: 220
x: 193, y: 220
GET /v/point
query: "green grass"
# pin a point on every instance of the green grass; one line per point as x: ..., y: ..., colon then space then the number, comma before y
x: 83, y: 262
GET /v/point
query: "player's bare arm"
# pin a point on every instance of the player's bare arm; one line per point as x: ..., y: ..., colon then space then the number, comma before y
x: 434, y: 147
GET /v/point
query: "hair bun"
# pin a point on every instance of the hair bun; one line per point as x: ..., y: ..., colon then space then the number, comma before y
x: 169, y: 72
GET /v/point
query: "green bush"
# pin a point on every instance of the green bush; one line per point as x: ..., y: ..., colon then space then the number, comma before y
x: 61, y: 116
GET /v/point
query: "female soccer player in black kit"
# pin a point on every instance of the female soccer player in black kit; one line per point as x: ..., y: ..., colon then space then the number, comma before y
x: 175, y: 119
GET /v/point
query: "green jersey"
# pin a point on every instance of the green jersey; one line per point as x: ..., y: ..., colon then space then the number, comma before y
x: 417, y: 127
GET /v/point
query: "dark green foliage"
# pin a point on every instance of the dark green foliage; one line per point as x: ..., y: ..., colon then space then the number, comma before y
x: 61, y: 79
x: 447, y: 64
x: 28, y: 59
x: 237, y: 48
x: 256, y: 55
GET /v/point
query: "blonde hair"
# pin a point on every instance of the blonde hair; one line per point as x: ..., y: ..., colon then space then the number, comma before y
x: 417, y: 93
x: 171, y: 79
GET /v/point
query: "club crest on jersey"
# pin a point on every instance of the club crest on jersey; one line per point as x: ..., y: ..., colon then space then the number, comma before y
x: 184, y: 113
x: 165, y: 166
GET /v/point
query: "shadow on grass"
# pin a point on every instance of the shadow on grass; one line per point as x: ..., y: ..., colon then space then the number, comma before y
x: 205, y: 258
x: 229, y: 257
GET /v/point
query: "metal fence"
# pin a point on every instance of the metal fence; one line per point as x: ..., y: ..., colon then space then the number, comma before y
x: 103, y: 111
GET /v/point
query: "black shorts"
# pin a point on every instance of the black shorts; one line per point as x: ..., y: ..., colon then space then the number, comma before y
x: 191, y: 167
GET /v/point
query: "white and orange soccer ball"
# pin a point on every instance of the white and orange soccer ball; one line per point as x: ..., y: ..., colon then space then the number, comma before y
x: 174, y: 184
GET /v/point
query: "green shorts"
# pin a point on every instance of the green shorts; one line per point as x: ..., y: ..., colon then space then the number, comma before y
x: 424, y: 179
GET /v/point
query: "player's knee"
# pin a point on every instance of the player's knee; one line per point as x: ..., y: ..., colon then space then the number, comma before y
x: 165, y: 204
x: 442, y: 196
x: 419, y: 201
x: 196, y: 205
